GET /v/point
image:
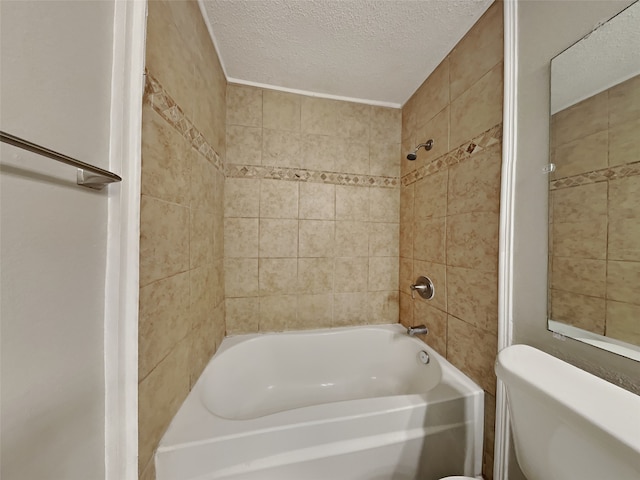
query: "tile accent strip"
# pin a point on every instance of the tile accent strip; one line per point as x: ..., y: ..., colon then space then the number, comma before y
x: 488, y: 139
x: 314, y: 176
x: 167, y: 108
x: 609, y: 173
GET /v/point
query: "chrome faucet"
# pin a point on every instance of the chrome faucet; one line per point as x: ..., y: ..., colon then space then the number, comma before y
x: 418, y: 330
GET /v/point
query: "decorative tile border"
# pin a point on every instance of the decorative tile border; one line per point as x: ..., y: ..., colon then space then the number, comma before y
x: 167, y: 108
x: 596, y: 176
x: 315, y: 176
x: 484, y: 141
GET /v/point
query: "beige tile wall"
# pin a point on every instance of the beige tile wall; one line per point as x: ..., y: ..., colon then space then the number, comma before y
x: 182, y: 217
x: 449, y: 207
x: 595, y: 214
x: 318, y: 253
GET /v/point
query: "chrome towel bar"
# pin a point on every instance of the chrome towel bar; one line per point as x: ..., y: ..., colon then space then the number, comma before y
x: 88, y: 175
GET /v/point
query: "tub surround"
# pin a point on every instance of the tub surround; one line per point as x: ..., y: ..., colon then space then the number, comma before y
x: 449, y: 213
x: 181, y: 247
x: 311, y: 212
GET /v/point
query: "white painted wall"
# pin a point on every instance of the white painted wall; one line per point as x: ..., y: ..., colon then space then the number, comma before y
x: 55, y: 90
x: 544, y: 30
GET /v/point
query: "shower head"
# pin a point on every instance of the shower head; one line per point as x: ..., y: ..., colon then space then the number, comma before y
x: 428, y: 145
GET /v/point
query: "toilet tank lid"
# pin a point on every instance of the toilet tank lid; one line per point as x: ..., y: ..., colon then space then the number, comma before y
x: 601, y: 403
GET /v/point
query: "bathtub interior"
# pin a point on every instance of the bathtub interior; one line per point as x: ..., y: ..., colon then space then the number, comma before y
x: 395, y: 437
x: 274, y: 373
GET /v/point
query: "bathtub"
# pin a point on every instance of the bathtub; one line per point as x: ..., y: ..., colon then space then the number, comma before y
x: 353, y: 403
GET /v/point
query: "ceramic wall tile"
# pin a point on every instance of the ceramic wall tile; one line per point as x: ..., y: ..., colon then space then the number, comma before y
x: 351, y: 239
x: 281, y: 111
x: 580, y: 120
x: 581, y: 203
x: 383, y: 274
x: 580, y: 239
x: 352, y: 203
x: 317, y: 201
x: 166, y: 166
x: 315, y: 275
x: 241, y: 197
x: 279, y: 199
x: 622, y: 322
x: 319, y: 116
x: 472, y: 241
x: 350, y: 309
x: 431, y: 196
x: 314, y: 311
x: 157, y: 404
x: 474, y: 297
x: 241, y: 237
x: 384, y: 239
x: 386, y: 125
x: 278, y: 276
x: 384, y: 159
x: 164, y: 239
x: 316, y: 238
x: 244, y: 145
x: 352, y: 120
x: 433, y: 94
x: 278, y: 237
x: 384, y: 307
x: 624, y: 239
x: 624, y: 101
x: 579, y: 275
x: 277, y: 312
x: 623, y: 279
x: 623, y: 145
x: 473, y: 350
x: 578, y: 310
x: 200, y: 237
x: 478, y: 108
x: 244, y: 106
x: 406, y: 310
x: 242, y: 315
x: 437, y: 130
x: 429, y: 240
x: 163, y: 319
x: 281, y: 148
x: 352, y: 156
x: 438, y: 274
x: 474, y: 185
x: 582, y: 155
x: 478, y: 52
x: 384, y: 204
x: 318, y: 152
x: 435, y: 320
x: 241, y: 277
x: 351, y: 274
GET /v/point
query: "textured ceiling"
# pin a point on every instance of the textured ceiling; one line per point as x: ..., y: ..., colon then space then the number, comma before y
x: 602, y: 59
x: 373, y: 51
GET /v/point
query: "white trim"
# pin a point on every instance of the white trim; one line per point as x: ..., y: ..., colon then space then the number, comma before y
x: 121, y: 282
x: 507, y: 200
x: 308, y: 93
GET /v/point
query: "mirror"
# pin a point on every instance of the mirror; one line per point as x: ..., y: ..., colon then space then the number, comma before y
x: 594, y: 190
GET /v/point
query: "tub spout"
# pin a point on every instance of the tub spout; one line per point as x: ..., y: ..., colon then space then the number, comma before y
x: 418, y: 330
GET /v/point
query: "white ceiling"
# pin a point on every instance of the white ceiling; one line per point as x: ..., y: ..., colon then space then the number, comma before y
x: 372, y: 51
x: 602, y: 59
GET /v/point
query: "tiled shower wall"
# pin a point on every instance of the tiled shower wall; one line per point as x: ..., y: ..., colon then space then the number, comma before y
x: 449, y: 207
x: 594, y: 221
x: 311, y: 212
x: 181, y: 226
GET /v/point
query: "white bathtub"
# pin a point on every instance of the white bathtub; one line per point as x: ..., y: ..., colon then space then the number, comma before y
x: 350, y: 404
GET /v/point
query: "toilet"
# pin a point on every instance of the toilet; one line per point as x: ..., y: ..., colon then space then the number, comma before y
x: 566, y: 423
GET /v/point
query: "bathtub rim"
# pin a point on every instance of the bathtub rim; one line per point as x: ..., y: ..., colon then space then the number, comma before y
x: 193, y: 423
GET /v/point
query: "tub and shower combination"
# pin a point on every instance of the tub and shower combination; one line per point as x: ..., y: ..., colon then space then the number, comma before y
x: 357, y: 403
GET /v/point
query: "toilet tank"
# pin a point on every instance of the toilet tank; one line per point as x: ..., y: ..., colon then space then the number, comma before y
x: 566, y: 423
